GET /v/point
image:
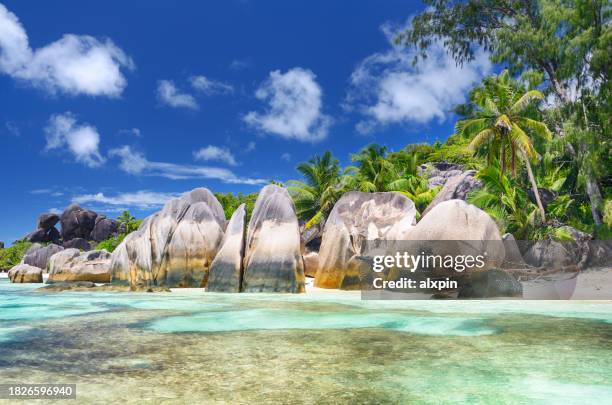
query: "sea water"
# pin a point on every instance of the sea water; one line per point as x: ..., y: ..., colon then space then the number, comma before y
x: 194, y: 347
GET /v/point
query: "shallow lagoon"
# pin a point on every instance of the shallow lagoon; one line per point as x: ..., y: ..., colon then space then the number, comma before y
x: 194, y: 347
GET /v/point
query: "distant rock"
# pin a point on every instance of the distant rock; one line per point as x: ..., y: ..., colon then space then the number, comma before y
x: 47, y: 221
x: 546, y: 196
x: 104, y: 228
x: 456, y: 187
x: 72, y: 265
x: 24, y: 273
x: 77, y: 222
x: 1, y: 244
x: 493, y: 283
x: 273, y: 254
x: 311, y: 264
x: 513, y: 258
x: 226, y: 270
x: 174, y: 247
x: 552, y: 253
x: 43, y: 235
x: 77, y: 243
x: 356, y: 218
x: 38, y: 255
x: 465, y: 229
x: 438, y: 173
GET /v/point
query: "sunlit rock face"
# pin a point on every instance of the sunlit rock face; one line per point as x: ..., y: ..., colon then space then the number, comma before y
x: 174, y: 247
x: 74, y: 265
x: 456, y: 187
x: 39, y: 255
x: 472, y: 230
x: 226, y: 270
x: 273, y: 254
x: 311, y: 264
x: 24, y: 273
x: 356, y: 218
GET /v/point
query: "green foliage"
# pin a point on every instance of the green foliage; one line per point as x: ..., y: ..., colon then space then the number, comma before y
x: 230, y: 202
x: 608, y: 213
x: 128, y: 224
x: 315, y: 197
x: 13, y: 255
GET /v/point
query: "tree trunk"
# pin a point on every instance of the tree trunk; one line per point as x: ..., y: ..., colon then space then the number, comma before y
x: 534, y: 186
x: 502, y: 157
x: 513, y: 160
x: 592, y: 190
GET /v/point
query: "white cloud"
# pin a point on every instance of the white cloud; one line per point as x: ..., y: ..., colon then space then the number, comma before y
x: 215, y: 153
x: 294, y: 106
x: 136, y: 163
x: 74, y: 64
x: 286, y: 157
x: 142, y: 199
x: 210, y: 87
x: 388, y: 89
x: 168, y: 94
x: 250, y: 147
x: 55, y: 211
x: 12, y: 129
x: 132, y: 132
x: 239, y: 64
x: 82, y: 140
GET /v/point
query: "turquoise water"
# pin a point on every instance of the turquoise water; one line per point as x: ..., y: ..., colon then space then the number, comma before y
x: 193, y: 347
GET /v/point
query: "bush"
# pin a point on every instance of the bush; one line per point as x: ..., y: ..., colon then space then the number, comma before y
x: 126, y: 222
x: 230, y: 202
x: 13, y: 255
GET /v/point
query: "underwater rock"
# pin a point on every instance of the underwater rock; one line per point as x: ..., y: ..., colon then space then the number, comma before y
x: 493, y: 283
x: 358, y: 217
x: 77, y: 222
x: 464, y: 229
x: 38, y: 255
x: 24, y: 273
x: 175, y: 246
x: 456, y: 187
x: 273, y: 255
x: 73, y: 265
x: 226, y: 269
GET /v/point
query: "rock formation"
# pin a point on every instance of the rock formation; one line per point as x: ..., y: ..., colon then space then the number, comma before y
x: 45, y: 229
x: 38, y: 255
x: 493, y: 283
x: 1, y: 244
x: 311, y: 264
x: 47, y: 221
x: 174, y: 247
x: 273, y: 255
x: 24, y: 273
x: 104, y: 228
x: 463, y: 229
x: 77, y: 243
x: 456, y: 187
x: 77, y: 222
x: 513, y: 258
x: 74, y: 265
x: 358, y: 217
x: 226, y: 271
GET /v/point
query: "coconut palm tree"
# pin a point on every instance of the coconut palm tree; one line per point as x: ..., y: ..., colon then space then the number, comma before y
x: 502, y: 128
x: 316, y: 195
x: 373, y: 170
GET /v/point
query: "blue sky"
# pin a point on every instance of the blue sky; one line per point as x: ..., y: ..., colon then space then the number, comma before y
x: 121, y: 105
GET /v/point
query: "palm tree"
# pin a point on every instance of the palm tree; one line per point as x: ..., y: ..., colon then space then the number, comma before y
x: 316, y: 195
x: 373, y: 171
x: 501, y: 126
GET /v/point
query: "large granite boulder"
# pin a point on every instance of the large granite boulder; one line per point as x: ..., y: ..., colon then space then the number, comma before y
x: 47, y: 221
x: 24, y: 273
x: 438, y: 173
x: 463, y: 229
x: 38, y: 255
x: 77, y: 222
x: 456, y: 187
x: 553, y: 253
x: 74, y: 265
x: 174, y: 247
x: 356, y: 218
x: 43, y: 235
x: 226, y: 270
x: 77, y: 243
x: 104, y: 228
x: 273, y: 254
x: 120, y: 261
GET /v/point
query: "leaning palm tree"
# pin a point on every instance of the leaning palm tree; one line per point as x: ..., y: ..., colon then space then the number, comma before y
x: 501, y: 127
x: 373, y: 170
x: 316, y: 195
